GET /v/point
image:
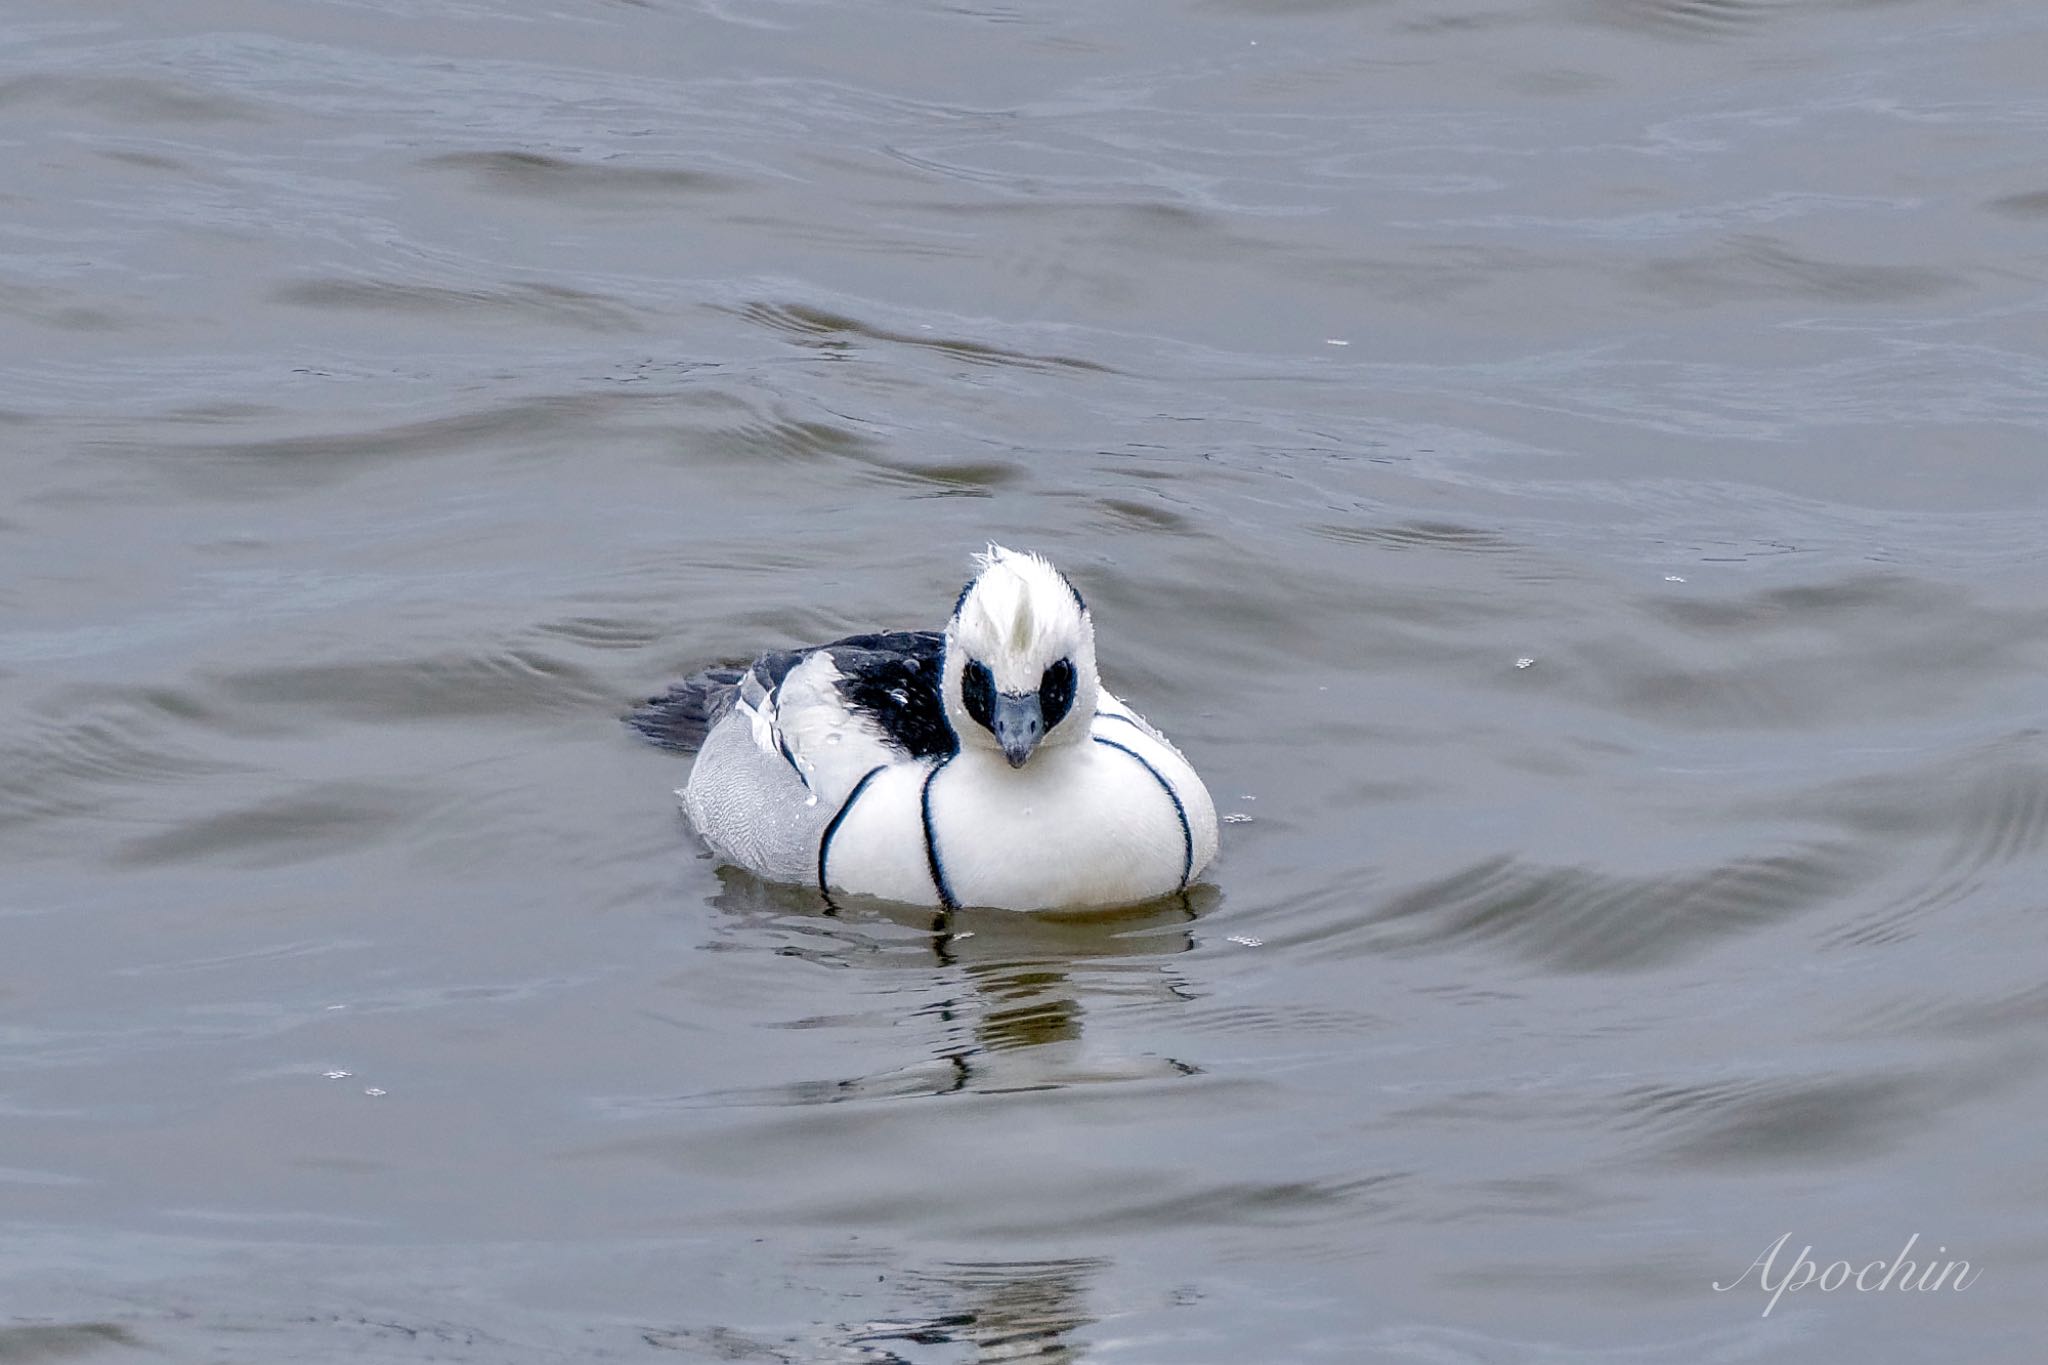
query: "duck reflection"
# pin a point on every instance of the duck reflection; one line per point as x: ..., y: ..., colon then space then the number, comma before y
x: 1011, y: 990
x: 1004, y: 1310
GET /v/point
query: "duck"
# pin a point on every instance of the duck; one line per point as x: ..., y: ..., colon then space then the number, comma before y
x: 981, y: 765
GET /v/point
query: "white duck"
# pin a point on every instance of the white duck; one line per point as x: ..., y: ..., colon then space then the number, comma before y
x: 984, y: 766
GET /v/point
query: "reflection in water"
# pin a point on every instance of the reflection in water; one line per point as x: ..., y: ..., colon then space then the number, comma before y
x: 1010, y: 989
x: 995, y: 1310
x: 1006, y: 1310
x: 1038, y: 1010
x: 1009, y: 993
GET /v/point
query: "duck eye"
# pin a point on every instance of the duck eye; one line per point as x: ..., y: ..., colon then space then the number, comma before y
x: 978, y: 693
x: 1056, y: 692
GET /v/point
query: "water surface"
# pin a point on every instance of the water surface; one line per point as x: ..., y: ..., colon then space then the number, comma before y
x: 1569, y: 473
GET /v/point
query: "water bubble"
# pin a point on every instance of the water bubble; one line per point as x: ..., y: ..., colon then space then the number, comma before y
x: 1525, y: 662
x: 1247, y: 940
x: 1237, y: 818
x: 373, y: 1091
x: 337, y: 1075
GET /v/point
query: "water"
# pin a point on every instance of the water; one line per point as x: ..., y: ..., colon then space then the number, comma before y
x: 1569, y: 474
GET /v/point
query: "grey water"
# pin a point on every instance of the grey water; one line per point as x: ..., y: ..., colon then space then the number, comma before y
x: 1570, y: 473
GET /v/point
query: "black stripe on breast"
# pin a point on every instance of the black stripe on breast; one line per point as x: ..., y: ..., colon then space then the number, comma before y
x: 1187, y: 834
x: 825, y: 843
x: 931, y: 839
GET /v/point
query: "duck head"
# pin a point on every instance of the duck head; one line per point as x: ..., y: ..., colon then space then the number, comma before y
x: 1020, y: 658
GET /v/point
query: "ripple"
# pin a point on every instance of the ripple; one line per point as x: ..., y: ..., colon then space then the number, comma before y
x: 946, y: 478
x: 833, y: 331
x: 267, y: 955
x: 509, y: 303
x: 939, y: 1077
x: 1754, y: 267
x: 1994, y: 1013
x: 779, y: 437
x: 2001, y: 815
x: 1987, y: 807
x: 96, y: 748
x: 1856, y: 649
x: 1581, y: 919
x: 2033, y: 205
x: 149, y: 161
x: 279, y: 465
x: 585, y: 184
x: 60, y: 308
x: 129, y: 99
x: 505, y: 681
x: 59, y: 1341
x: 1688, y: 18
x: 1423, y: 535
x: 1831, y: 602
x: 1130, y: 514
x: 1283, y: 1021
x: 968, y: 1072
x: 604, y: 632
x: 1160, y: 1202
x: 317, y: 821
x: 1778, y: 1122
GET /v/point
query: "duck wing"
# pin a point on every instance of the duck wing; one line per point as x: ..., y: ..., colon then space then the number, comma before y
x: 832, y: 712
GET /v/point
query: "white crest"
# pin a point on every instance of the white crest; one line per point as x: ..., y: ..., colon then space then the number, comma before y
x: 1019, y: 617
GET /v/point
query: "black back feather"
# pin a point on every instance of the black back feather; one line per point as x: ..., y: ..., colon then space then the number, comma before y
x: 894, y: 676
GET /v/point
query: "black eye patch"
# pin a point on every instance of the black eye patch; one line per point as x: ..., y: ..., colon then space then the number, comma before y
x: 1056, y: 692
x: 978, y: 693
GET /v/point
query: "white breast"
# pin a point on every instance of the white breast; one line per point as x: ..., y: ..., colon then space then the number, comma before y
x: 1093, y: 823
